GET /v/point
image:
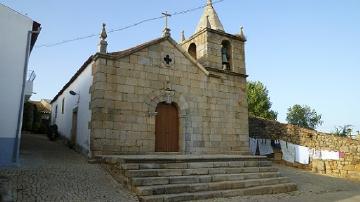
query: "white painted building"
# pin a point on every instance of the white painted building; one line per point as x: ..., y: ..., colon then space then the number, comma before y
x: 18, y: 35
x: 70, y: 111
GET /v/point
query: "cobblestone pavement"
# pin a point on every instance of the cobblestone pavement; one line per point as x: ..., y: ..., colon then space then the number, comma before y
x: 49, y: 171
x: 311, y: 188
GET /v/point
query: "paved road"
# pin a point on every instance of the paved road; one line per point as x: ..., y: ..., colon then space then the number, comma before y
x: 49, y: 171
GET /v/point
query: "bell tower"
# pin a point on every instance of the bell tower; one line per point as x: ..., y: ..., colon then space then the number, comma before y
x: 213, y: 47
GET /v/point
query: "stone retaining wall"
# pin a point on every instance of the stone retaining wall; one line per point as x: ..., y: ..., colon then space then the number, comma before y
x: 347, y: 166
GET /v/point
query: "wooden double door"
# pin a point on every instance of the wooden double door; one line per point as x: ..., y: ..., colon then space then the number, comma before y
x: 167, y: 128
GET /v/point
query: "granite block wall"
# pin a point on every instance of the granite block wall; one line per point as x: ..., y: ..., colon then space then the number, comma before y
x: 127, y: 89
x: 347, y: 166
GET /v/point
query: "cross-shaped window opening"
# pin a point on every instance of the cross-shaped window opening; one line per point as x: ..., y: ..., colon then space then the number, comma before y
x: 167, y: 59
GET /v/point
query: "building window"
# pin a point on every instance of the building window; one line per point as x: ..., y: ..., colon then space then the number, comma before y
x: 62, y: 105
x: 192, y: 50
x: 226, y: 55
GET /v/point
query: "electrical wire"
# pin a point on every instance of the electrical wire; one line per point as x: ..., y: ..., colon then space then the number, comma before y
x: 125, y: 27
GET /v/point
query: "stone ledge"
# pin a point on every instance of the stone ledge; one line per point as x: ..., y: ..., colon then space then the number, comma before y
x: 176, y: 157
x: 211, y: 69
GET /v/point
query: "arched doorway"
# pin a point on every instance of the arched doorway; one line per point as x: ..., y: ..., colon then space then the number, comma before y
x: 167, y: 128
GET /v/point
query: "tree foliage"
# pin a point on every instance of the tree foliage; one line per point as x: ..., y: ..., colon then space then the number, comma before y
x: 303, y: 116
x: 259, y: 101
x: 343, y: 131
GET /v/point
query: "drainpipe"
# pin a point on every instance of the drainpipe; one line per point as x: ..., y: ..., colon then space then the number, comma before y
x: 22, y: 98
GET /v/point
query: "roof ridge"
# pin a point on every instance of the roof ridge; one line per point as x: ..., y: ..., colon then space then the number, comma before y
x: 127, y: 52
x: 137, y: 47
x: 155, y: 41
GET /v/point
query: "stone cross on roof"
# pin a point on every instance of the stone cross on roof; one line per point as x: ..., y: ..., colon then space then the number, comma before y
x: 166, y: 31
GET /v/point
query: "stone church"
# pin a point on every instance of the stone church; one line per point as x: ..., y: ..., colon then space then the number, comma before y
x: 160, y: 96
x: 169, y: 119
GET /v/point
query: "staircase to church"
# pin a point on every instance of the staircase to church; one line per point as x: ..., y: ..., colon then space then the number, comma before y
x: 188, y: 177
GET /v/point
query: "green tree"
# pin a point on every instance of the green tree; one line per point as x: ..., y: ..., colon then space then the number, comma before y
x: 303, y: 116
x: 343, y: 131
x: 259, y: 101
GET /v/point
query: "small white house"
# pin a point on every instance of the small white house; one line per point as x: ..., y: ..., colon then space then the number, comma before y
x: 70, y: 108
x: 18, y: 36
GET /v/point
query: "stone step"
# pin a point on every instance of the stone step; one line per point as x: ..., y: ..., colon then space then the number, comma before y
x: 195, y: 171
x: 190, y: 177
x: 218, y: 164
x: 211, y: 186
x: 146, y: 181
x: 156, y: 158
x: 187, y: 196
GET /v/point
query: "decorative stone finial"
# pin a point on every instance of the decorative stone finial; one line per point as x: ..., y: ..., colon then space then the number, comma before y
x: 103, y: 34
x: 242, y: 34
x: 182, y: 36
x: 102, y: 46
x: 208, y: 25
x: 166, y: 32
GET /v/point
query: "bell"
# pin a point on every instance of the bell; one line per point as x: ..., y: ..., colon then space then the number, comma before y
x: 224, y: 55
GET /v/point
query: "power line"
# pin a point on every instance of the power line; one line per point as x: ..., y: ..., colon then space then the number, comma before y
x: 125, y: 27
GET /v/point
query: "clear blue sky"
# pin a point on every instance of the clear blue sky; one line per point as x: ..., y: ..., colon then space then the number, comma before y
x: 305, y: 52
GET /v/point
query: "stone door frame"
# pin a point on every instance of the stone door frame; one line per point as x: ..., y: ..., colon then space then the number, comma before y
x: 159, y: 96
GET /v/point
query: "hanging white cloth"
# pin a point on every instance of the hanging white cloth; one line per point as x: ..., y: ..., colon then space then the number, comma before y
x: 265, y: 146
x: 283, y: 146
x: 316, y: 154
x: 329, y: 155
x: 302, y: 154
x: 253, y: 145
x: 288, y: 151
x: 291, y: 150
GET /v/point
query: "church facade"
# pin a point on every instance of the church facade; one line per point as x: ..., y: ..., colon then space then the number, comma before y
x: 160, y: 96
